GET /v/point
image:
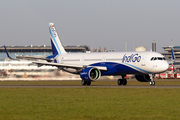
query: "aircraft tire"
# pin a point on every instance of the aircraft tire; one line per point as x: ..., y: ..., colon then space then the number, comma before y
x: 88, y: 82
x: 120, y: 81
x: 152, y: 83
x: 83, y: 82
x: 124, y: 81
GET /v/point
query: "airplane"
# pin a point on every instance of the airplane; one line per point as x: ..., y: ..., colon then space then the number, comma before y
x: 91, y: 66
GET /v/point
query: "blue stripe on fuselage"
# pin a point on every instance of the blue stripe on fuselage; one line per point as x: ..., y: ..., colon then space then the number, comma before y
x: 117, y: 69
x: 138, y: 68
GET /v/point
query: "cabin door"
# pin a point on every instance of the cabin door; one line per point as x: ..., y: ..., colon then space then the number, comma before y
x: 103, y: 60
x: 82, y: 60
x: 143, y: 59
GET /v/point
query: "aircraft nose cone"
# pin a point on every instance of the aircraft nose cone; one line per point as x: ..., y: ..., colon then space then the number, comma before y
x: 165, y: 66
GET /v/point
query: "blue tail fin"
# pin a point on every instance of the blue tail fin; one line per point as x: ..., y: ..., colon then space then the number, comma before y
x: 172, y: 52
x: 57, y: 47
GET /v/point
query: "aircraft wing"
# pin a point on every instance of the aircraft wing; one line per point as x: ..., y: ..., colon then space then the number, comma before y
x: 34, y: 57
x: 27, y: 57
x: 8, y: 54
x: 67, y: 65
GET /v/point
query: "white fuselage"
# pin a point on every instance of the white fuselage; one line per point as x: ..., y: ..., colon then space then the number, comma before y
x: 124, y: 62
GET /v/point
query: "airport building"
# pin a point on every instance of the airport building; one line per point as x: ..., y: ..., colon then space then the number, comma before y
x: 42, y: 50
x: 168, y: 54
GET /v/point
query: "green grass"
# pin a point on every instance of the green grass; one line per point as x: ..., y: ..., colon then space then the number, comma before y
x: 89, y: 103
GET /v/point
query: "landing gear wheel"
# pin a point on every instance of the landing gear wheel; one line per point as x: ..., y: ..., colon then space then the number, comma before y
x: 83, y: 82
x: 152, y: 83
x: 120, y: 82
x: 124, y: 81
x: 152, y: 79
x: 88, y: 82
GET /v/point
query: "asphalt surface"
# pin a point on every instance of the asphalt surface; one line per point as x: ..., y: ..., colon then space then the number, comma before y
x: 91, y: 86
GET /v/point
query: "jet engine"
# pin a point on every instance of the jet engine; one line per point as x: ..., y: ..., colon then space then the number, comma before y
x: 90, y: 73
x: 143, y: 77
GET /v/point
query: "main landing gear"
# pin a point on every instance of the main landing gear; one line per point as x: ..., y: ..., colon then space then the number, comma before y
x: 86, y: 82
x: 152, y: 82
x: 122, y: 81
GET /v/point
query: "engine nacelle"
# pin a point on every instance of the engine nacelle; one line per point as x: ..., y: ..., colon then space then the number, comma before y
x: 90, y: 73
x: 143, y: 78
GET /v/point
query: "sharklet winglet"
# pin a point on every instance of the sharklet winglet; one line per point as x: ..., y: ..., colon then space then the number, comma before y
x: 8, y: 54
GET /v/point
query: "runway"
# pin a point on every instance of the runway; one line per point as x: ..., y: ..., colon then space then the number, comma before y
x: 91, y: 86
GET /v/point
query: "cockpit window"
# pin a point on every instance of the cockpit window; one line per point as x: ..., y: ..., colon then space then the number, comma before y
x: 152, y: 58
x: 158, y: 58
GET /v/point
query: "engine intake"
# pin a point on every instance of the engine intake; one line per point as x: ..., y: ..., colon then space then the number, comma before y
x: 143, y: 78
x: 90, y: 73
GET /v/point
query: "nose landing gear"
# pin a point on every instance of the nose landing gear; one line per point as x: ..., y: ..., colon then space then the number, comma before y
x: 152, y: 82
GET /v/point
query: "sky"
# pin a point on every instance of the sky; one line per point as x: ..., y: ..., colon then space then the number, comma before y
x: 95, y: 23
